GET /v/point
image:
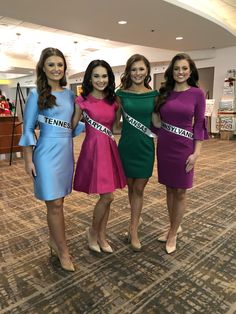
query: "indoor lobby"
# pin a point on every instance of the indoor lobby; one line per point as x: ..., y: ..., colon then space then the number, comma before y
x: 199, y: 277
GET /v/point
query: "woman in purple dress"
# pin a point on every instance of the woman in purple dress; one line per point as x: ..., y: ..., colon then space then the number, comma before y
x: 99, y: 169
x: 181, y: 106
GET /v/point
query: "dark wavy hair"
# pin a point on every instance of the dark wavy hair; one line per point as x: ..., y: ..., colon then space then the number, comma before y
x: 87, y: 86
x: 46, y: 99
x: 126, y: 81
x: 169, y: 83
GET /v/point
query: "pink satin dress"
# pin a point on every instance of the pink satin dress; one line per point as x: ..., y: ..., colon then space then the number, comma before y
x: 99, y: 169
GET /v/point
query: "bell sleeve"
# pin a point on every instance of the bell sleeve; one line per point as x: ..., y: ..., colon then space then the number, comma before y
x: 30, y: 120
x: 200, y: 121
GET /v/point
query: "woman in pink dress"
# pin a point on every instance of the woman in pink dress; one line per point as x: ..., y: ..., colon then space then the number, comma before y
x: 181, y: 105
x: 99, y: 169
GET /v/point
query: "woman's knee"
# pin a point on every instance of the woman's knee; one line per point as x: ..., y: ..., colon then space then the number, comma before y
x: 55, y: 206
x: 170, y: 190
x: 107, y: 198
x: 138, y: 190
x: 180, y: 193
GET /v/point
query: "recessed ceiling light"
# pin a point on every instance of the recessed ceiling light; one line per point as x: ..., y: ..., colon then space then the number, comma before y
x: 122, y: 22
x: 179, y: 38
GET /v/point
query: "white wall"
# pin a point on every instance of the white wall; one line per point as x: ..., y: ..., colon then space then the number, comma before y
x: 221, y: 59
x: 225, y: 60
x: 5, y: 90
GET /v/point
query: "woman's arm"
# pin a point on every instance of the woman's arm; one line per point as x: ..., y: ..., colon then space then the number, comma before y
x: 28, y: 158
x: 27, y: 139
x: 76, y: 116
x: 156, y: 120
x: 77, y: 125
x: 199, y: 129
x: 117, y: 124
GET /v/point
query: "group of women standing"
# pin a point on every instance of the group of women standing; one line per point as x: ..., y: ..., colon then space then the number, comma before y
x: 103, y: 167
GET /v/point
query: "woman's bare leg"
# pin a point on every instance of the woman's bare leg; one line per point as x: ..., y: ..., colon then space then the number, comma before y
x: 56, y: 225
x: 177, y: 213
x: 136, y: 187
x: 100, y: 217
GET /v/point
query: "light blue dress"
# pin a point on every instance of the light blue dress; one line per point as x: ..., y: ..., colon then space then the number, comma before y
x: 53, y: 153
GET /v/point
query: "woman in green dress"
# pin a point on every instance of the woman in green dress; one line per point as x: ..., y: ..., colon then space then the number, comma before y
x: 136, y: 145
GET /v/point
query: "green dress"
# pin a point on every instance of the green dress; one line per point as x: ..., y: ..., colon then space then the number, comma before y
x: 136, y: 148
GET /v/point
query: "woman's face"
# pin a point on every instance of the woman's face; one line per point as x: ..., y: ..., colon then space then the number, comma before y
x: 54, y: 68
x: 99, y: 78
x: 181, y: 71
x: 138, y: 72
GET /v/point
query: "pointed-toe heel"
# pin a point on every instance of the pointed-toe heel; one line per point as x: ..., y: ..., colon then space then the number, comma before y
x: 92, y: 246
x: 163, y: 237
x: 65, y: 264
x: 171, y: 248
x: 106, y: 248
x: 134, y: 247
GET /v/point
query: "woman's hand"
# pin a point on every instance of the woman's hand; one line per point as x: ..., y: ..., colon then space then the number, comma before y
x: 190, y: 162
x: 193, y: 157
x: 30, y: 169
x: 29, y: 165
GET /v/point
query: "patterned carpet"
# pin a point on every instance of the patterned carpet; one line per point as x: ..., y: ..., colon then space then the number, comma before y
x: 198, y: 278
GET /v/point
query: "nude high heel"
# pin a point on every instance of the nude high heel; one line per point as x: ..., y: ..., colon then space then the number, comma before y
x: 105, y: 248
x: 171, y: 249
x: 163, y: 237
x: 92, y: 246
x: 65, y: 264
x: 135, y: 248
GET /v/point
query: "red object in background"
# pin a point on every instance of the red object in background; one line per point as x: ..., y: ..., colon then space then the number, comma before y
x: 4, y: 108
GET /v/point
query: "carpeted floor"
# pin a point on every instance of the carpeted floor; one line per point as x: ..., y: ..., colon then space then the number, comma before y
x: 198, y: 278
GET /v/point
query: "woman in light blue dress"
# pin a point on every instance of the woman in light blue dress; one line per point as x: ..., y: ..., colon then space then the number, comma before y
x: 50, y: 161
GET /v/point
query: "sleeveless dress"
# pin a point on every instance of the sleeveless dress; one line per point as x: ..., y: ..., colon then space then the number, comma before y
x: 99, y: 169
x: 53, y: 152
x: 180, y: 110
x: 136, y: 148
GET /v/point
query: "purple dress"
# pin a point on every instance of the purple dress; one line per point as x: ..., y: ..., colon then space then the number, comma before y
x: 99, y: 169
x: 185, y: 110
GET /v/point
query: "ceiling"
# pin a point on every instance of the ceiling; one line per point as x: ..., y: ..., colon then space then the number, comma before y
x: 27, y: 26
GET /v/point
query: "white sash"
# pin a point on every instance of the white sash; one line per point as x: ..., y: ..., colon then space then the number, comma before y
x: 138, y: 125
x: 98, y: 126
x: 174, y: 129
x: 54, y: 122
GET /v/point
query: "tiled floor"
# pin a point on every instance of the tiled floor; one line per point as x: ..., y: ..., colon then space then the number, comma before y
x: 198, y: 278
